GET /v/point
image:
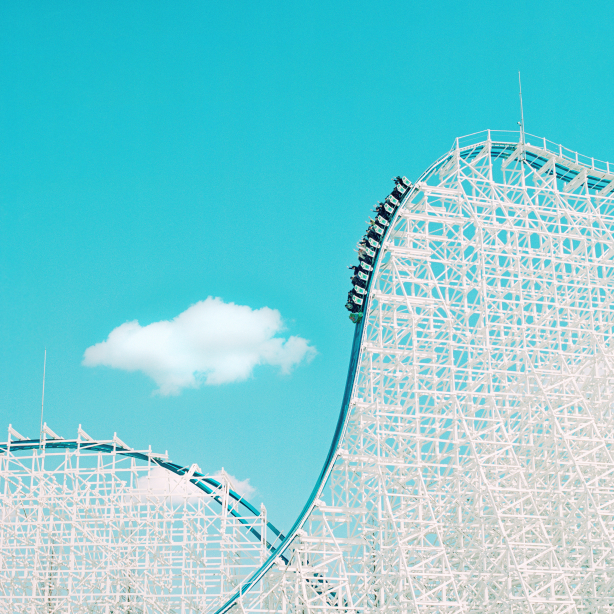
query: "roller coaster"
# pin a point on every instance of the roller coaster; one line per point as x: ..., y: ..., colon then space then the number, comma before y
x: 472, y: 465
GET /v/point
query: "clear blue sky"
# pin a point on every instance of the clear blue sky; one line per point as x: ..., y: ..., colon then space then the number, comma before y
x: 154, y: 154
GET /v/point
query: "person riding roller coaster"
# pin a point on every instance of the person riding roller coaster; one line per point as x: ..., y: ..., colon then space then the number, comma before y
x: 371, y: 233
x: 364, y: 276
x: 382, y: 221
x: 402, y: 184
x: 404, y: 181
x: 378, y: 229
x: 365, y: 268
x: 381, y: 210
x: 358, y: 281
x: 365, y: 265
x: 351, y: 305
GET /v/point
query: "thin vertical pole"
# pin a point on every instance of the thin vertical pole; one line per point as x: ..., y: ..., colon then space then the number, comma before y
x: 43, y: 400
x: 521, y: 111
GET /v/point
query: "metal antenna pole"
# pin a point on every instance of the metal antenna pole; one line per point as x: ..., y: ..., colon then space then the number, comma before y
x: 521, y: 111
x: 43, y: 401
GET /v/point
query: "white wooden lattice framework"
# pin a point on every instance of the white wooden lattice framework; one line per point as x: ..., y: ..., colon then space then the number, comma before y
x: 474, y: 468
x: 95, y: 526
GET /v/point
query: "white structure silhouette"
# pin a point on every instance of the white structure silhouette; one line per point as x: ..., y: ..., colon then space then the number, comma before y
x: 472, y: 469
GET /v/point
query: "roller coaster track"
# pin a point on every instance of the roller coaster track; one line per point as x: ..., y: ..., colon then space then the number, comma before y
x: 436, y: 556
x: 239, y: 510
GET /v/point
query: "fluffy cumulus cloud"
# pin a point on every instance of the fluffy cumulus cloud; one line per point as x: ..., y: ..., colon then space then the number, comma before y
x: 211, y: 342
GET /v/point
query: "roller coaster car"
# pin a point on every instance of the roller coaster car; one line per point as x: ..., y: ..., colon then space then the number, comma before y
x: 378, y: 207
x: 352, y: 307
x: 368, y: 247
x: 389, y: 208
x: 398, y: 191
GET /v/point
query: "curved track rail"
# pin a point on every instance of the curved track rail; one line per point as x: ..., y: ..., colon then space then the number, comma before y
x: 538, y: 153
x: 207, y: 484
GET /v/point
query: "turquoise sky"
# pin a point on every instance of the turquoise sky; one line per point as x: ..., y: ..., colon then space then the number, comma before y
x: 155, y: 154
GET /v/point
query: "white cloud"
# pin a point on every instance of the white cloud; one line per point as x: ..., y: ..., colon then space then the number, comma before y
x: 211, y: 342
